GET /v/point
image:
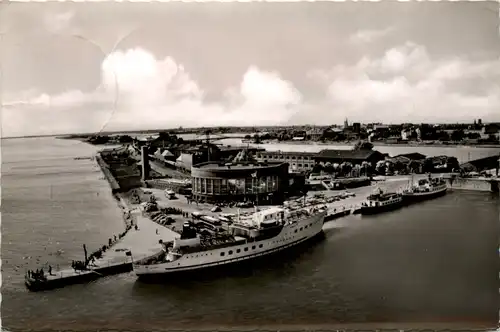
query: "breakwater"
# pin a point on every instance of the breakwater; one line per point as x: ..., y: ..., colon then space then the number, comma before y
x: 120, y: 169
x: 115, y: 187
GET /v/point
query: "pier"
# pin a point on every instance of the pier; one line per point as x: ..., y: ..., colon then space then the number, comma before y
x: 135, y: 245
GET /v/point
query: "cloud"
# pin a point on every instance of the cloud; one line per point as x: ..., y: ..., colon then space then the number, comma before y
x: 138, y: 91
x: 369, y: 36
x: 405, y: 84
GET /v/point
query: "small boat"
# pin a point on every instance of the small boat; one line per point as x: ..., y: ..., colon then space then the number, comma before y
x: 425, y: 189
x: 380, y: 201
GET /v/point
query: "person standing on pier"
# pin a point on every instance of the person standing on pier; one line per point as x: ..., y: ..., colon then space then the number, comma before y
x: 50, y: 270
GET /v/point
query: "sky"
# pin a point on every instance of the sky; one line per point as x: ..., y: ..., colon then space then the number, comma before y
x: 86, y: 67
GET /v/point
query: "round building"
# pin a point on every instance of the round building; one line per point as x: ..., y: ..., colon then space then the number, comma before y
x: 261, y: 183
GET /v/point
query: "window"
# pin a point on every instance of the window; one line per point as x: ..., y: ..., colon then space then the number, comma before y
x: 238, y: 250
x: 295, y: 231
x: 300, y: 228
x: 230, y: 252
x: 202, y: 185
x: 246, y: 249
x: 260, y: 245
x: 222, y: 253
x: 253, y: 247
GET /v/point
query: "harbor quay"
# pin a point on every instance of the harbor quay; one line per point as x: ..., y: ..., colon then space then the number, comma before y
x: 138, y: 243
x: 143, y: 236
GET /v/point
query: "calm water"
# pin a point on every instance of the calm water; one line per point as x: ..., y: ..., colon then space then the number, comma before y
x: 437, y: 261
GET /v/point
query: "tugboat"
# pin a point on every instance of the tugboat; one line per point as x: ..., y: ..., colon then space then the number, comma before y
x: 425, y: 189
x: 380, y: 201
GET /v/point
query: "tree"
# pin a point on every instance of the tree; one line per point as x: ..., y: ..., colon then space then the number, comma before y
x: 164, y: 136
x: 443, y: 136
x: 363, y: 145
x: 473, y: 135
x: 452, y: 164
x: 457, y: 135
x: 381, y: 167
x: 328, y: 167
x: 413, y: 166
x: 317, y: 168
x: 125, y: 139
x: 428, y: 165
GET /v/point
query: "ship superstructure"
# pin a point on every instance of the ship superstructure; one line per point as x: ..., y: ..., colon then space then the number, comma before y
x: 425, y: 189
x: 249, y: 236
x: 381, y: 201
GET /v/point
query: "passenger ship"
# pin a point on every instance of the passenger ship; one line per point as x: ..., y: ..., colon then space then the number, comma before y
x: 425, y: 189
x: 259, y: 234
x: 381, y: 202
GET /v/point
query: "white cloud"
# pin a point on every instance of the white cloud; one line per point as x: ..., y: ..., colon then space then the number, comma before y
x: 369, y: 36
x: 140, y: 91
x: 406, y: 85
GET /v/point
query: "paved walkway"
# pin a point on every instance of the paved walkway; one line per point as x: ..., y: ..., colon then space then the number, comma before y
x: 142, y: 242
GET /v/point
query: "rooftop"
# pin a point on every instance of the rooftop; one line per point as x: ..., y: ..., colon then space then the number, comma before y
x: 237, y: 166
x: 289, y: 153
x: 412, y: 156
x: 348, y: 154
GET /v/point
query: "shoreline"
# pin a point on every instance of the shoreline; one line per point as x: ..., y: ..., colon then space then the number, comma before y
x: 375, y: 144
x: 411, y: 145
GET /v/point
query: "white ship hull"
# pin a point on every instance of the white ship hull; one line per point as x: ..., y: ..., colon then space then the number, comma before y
x: 290, y: 236
x: 419, y: 196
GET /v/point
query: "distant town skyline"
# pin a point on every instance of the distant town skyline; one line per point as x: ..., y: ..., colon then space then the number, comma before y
x: 86, y: 67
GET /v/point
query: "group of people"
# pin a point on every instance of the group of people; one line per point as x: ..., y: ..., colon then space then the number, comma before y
x: 38, y: 274
x: 78, y: 265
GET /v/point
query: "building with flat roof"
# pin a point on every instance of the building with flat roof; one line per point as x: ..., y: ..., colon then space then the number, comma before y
x: 305, y: 161
x: 297, y: 161
x: 259, y: 182
x: 351, y: 156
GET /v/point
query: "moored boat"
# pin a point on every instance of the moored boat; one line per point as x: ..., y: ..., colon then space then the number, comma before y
x: 248, y: 237
x: 381, y: 201
x: 425, y: 189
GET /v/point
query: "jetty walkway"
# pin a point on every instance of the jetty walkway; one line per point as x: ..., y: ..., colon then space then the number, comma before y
x: 135, y: 245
